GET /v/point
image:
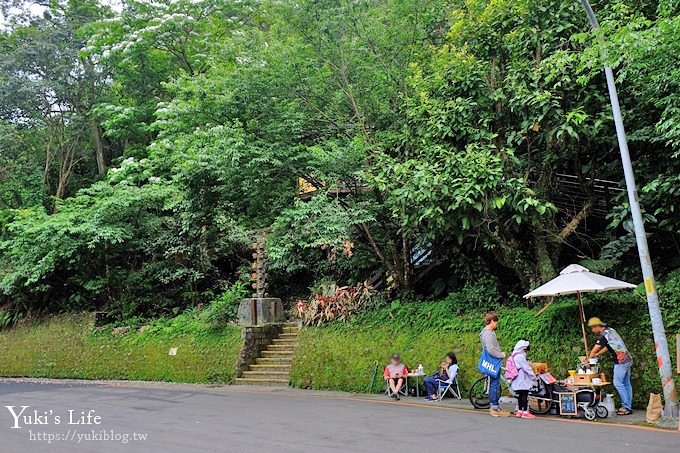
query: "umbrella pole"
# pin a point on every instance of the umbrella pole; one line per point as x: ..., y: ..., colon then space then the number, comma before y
x: 582, y: 318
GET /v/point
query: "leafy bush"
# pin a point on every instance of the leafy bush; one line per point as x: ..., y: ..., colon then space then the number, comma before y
x: 224, y: 309
x: 669, y: 297
x: 8, y: 318
x: 321, y: 224
x: 131, y: 249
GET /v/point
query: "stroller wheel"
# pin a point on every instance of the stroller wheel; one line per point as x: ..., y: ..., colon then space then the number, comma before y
x: 601, y: 412
x: 589, y: 413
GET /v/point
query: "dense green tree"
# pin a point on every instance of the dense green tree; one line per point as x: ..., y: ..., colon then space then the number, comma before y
x: 126, y: 244
x: 644, y: 49
x: 169, y: 129
x: 148, y: 45
x: 48, y: 86
x: 504, y: 81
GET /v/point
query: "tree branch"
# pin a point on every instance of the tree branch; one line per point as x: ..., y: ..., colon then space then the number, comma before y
x: 573, y: 224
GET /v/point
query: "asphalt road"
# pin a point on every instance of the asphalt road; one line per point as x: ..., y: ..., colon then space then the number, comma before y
x: 237, y: 419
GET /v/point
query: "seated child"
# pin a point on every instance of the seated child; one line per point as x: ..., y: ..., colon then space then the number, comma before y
x: 446, y: 374
x: 395, y: 375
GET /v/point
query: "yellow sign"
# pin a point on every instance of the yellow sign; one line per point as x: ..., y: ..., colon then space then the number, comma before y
x: 649, y: 285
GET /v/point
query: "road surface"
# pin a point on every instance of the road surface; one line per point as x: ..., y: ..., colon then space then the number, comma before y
x: 181, y: 418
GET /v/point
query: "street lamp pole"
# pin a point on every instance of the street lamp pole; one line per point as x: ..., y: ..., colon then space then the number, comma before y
x: 660, y: 341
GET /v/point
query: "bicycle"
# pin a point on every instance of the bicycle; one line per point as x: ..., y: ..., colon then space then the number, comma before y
x: 540, y: 396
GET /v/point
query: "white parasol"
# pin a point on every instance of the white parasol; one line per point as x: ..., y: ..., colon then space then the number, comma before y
x: 575, y: 279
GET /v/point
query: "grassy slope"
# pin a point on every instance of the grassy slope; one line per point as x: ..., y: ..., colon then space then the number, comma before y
x: 66, y: 347
x: 343, y: 357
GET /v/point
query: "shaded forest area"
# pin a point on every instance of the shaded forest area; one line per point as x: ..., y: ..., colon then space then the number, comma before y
x: 445, y: 142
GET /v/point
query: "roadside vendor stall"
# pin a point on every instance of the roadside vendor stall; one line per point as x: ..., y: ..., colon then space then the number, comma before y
x: 580, y: 393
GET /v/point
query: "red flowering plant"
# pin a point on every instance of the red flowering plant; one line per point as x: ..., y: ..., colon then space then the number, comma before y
x: 335, y: 304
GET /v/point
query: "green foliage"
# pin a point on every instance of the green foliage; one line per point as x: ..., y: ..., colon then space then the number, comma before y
x: 138, y: 148
x: 322, y: 223
x: 224, y: 308
x: 46, y: 93
x: 66, y: 347
x: 106, y: 240
x: 611, y: 255
x: 8, y: 318
x: 101, y: 217
x: 21, y: 182
x: 457, y: 191
x: 669, y: 297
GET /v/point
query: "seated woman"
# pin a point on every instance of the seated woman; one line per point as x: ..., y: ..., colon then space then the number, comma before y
x: 448, y: 370
x: 395, y: 375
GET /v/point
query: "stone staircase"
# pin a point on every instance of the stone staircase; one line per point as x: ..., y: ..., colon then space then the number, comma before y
x: 273, y: 366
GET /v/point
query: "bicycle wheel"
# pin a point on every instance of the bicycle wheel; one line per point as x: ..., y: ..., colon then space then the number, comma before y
x: 540, y: 398
x: 479, y: 393
x: 601, y: 411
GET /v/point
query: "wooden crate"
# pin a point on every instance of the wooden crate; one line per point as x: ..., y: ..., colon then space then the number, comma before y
x: 585, y: 378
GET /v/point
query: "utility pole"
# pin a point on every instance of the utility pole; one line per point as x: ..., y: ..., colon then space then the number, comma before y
x: 660, y: 340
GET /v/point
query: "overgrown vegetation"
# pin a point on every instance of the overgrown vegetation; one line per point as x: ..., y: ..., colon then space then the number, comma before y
x: 224, y: 309
x: 344, y: 356
x: 66, y: 346
x: 443, y: 146
x: 141, y: 146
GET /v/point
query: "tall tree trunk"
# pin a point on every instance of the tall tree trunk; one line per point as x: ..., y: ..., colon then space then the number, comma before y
x: 99, y: 148
x: 66, y: 165
x: 408, y: 265
x: 396, y: 260
x: 545, y: 267
x: 509, y: 254
x: 48, y: 161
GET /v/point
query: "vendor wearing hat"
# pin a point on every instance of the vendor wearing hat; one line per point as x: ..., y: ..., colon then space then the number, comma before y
x: 609, y: 340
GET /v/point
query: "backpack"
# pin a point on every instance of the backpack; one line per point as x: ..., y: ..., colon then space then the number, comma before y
x: 511, y: 371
